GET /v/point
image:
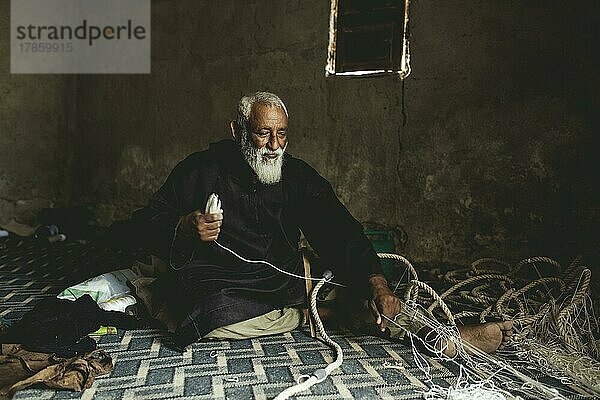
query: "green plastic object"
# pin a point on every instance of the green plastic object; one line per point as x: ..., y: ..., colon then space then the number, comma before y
x: 383, y: 242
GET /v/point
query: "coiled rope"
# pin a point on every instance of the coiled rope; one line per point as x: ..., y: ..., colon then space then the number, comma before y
x: 305, y: 382
x: 554, y: 315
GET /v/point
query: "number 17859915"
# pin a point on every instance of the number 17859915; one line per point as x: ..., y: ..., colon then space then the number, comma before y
x: 46, y: 47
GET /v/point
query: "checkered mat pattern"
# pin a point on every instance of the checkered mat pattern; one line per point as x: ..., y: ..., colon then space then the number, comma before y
x: 145, y: 368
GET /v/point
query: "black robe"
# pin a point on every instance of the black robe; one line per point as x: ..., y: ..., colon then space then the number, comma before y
x: 212, y: 288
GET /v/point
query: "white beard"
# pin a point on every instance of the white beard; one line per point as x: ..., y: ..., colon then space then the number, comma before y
x: 268, y: 170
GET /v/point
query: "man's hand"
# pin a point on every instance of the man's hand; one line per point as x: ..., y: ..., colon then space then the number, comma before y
x: 207, y: 226
x: 383, y: 301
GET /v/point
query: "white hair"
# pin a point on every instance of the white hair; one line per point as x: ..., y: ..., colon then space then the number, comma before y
x: 267, y: 170
x: 245, y: 108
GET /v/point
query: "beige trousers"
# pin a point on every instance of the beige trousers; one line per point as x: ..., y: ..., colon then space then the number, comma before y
x: 288, y: 319
x: 271, y: 323
x: 350, y: 312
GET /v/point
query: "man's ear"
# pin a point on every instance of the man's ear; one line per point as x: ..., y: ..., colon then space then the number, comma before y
x: 232, y: 126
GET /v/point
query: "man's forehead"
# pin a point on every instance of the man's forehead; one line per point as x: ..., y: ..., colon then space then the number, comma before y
x: 263, y: 113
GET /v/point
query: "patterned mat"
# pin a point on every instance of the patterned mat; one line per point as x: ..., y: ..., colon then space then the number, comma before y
x: 144, y: 368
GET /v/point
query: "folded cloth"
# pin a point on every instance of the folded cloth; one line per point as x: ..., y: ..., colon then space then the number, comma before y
x: 20, y: 369
x: 56, y: 325
x: 119, y: 304
x: 102, y: 288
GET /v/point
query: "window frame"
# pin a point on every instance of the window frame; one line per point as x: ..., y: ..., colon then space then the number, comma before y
x: 331, y: 69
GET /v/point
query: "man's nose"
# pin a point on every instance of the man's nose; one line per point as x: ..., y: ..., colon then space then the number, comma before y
x: 273, y: 143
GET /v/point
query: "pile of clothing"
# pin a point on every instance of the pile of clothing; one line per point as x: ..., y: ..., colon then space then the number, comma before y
x: 20, y: 369
x: 50, y: 345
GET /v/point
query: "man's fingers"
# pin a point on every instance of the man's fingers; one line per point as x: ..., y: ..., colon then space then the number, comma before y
x: 209, y: 225
x: 196, y: 216
x: 375, y: 312
x: 213, y: 217
x: 388, y: 307
x: 379, y: 320
x: 383, y: 324
x: 209, y: 232
x: 208, y: 237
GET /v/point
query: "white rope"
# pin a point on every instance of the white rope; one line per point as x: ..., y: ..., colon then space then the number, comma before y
x: 240, y: 257
x: 213, y: 205
x: 466, y: 390
x: 320, y: 374
x: 478, y: 363
x: 470, y: 392
x: 398, y: 257
x: 273, y: 266
x: 486, y: 366
x: 553, y: 335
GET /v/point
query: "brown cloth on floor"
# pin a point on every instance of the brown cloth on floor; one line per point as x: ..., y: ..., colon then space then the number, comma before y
x: 20, y: 369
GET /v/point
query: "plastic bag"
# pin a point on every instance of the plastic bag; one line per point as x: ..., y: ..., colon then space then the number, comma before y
x: 101, y: 288
x: 118, y: 303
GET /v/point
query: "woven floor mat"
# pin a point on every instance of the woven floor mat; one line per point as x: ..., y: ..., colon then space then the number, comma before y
x: 145, y: 368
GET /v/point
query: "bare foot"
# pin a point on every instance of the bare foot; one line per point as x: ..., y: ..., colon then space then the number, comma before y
x: 487, y: 337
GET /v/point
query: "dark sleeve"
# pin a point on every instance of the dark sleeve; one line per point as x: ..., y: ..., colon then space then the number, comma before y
x: 336, y: 236
x: 158, y: 221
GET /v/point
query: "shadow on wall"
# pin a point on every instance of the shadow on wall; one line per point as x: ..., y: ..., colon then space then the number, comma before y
x: 572, y: 219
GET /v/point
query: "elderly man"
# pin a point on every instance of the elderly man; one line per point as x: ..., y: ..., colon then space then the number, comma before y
x: 217, y: 282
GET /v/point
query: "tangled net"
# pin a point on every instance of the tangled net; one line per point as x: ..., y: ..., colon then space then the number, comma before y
x: 554, y: 323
